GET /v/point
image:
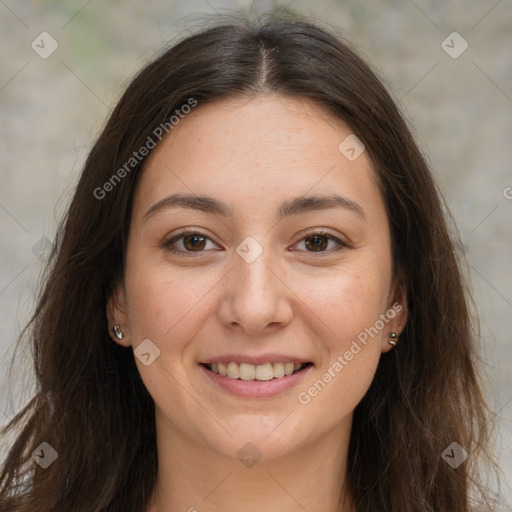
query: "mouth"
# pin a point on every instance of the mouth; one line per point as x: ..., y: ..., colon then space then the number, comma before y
x: 256, y: 372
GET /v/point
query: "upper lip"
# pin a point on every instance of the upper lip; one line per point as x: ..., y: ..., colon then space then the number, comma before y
x: 260, y: 359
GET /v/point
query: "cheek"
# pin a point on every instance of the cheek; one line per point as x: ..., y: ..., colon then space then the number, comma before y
x: 165, y: 310
x: 349, y: 304
x: 349, y: 307
x: 166, y: 306
x: 348, y: 300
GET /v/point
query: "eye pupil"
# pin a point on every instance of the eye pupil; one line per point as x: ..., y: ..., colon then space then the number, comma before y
x: 318, y: 244
x: 193, y: 245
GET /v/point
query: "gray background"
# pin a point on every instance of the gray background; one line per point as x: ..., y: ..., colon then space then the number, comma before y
x: 460, y: 110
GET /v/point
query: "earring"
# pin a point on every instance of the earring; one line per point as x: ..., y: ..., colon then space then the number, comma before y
x: 394, y: 339
x: 117, y: 332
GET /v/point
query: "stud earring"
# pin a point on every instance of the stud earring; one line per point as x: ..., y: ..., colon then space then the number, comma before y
x: 394, y: 339
x: 117, y: 332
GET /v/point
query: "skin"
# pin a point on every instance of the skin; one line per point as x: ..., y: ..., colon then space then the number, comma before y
x: 253, y: 154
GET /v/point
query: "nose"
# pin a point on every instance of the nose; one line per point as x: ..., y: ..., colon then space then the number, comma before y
x: 255, y: 298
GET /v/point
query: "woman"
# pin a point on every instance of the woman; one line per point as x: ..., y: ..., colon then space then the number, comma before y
x: 254, y: 301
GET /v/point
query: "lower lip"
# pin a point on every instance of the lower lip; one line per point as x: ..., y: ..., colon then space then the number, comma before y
x: 255, y: 388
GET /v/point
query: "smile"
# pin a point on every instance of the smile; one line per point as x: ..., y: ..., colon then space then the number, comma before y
x: 254, y: 381
x: 261, y: 372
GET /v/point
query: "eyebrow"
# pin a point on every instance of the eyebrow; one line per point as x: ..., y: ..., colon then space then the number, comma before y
x: 294, y: 206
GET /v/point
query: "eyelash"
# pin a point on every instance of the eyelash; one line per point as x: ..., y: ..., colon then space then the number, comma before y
x: 308, y: 234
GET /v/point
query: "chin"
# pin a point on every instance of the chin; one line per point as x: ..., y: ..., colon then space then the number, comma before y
x: 268, y: 437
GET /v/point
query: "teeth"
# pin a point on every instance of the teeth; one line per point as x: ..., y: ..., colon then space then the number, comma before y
x: 246, y: 371
x: 278, y: 369
x: 233, y: 371
x: 264, y: 372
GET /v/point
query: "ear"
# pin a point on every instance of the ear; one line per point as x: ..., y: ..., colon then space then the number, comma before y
x: 397, y: 312
x: 116, y: 314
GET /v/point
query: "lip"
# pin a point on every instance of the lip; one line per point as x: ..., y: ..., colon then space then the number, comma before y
x: 253, y: 388
x: 260, y: 359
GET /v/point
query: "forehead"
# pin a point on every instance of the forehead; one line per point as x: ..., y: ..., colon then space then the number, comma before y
x: 241, y: 124
x: 255, y: 150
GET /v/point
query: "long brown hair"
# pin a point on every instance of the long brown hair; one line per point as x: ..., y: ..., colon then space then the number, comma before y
x: 91, y: 405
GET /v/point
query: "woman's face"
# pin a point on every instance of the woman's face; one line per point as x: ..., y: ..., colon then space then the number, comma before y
x: 253, y: 281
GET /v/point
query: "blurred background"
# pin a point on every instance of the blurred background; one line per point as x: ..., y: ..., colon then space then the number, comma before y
x: 448, y: 63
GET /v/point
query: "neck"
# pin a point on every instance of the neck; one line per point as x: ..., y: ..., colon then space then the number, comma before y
x: 194, y: 478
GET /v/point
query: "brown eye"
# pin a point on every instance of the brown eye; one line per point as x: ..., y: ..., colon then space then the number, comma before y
x: 188, y: 242
x: 319, y: 241
x: 193, y: 242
